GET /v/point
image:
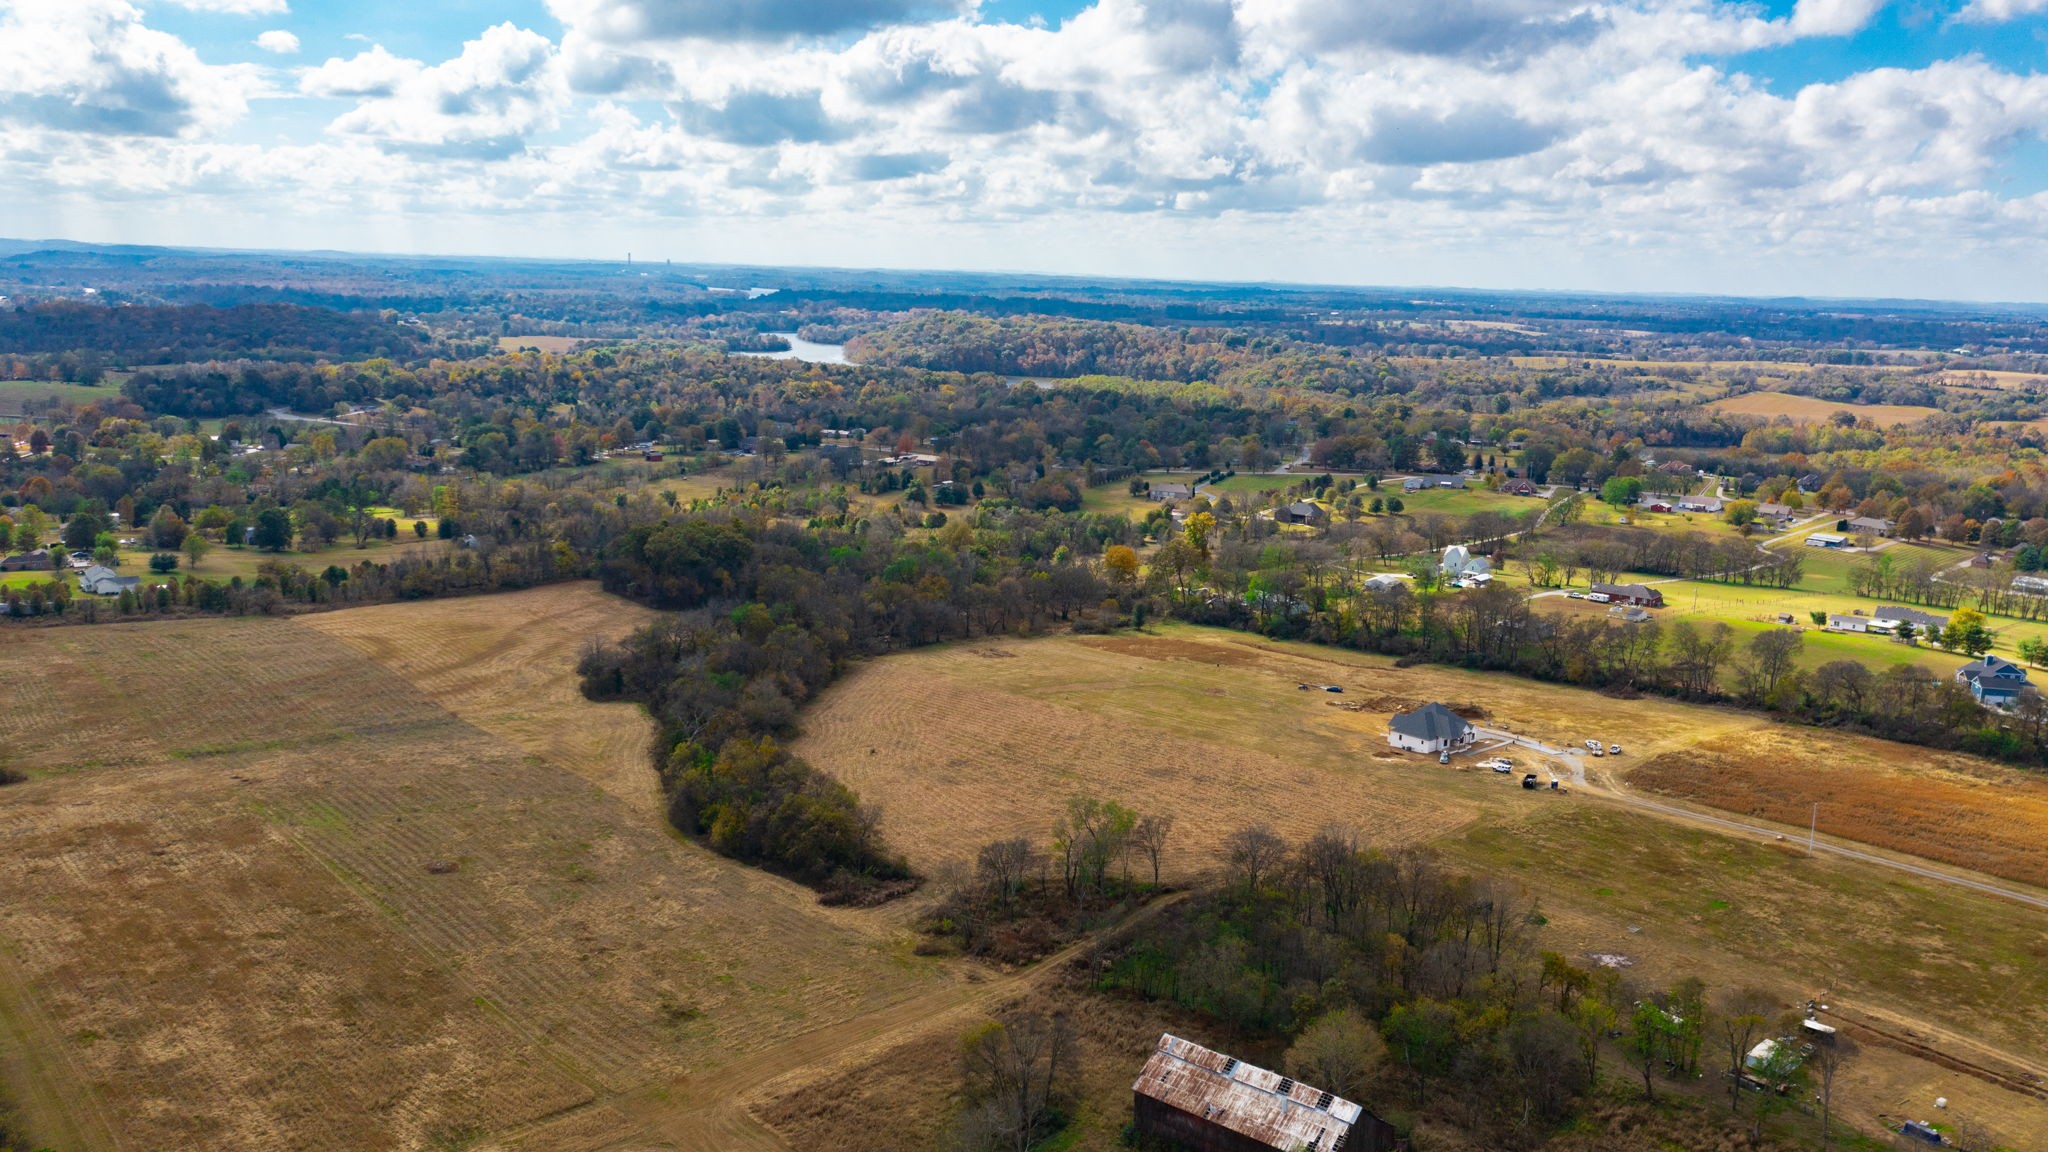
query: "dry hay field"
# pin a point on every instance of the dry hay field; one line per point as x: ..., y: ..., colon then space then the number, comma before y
x: 1952, y: 808
x: 553, y: 345
x: 1807, y: 410
x: 964, y: 744
x: 379, y: 879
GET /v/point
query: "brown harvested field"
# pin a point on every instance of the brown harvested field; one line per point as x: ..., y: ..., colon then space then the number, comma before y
x: 1210, y: 727
x: 1807, y: 410
x: 972, y: 742
x: 377, y: 879
x: 555, y: 345
x: 1955, y: 809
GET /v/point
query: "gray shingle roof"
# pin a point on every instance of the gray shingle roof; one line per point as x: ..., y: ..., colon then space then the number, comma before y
x: 1430, y: 722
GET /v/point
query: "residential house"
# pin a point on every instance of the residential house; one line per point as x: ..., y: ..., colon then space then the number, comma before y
x: 1199, y: 1099
x: 1875, y: 525
x: 1710, y: 504
x: 1888, y: 619
x: 1825, y: 540
x: 1811, y: 482
x: 1778, y: 513
x: 1459, y: 563
x: 1450, y: 481
x: 1414, y: 484
x: 1994, y: 681
x: 1628, y: 613
x: 1385, y: 581
x: 1172, y: 492
x: 1851, y: 623
x: 1518, y: 487
x: 1303, y: 512
x: 1430, y: 728
x: 2032, y: 585
x: 103, y: 581
x: 34, y: 560
x: 1640, y: 595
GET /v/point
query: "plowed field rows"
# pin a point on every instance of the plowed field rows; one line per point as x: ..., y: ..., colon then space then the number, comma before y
x: 266, y: 891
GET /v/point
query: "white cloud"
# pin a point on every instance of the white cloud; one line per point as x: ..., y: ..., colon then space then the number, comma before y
x: 1832, y: 17
x: 93, y: 67
x: 279, y: 41
x: 2000, y: 11
x: 236, y: 7
x: 481, y: 105
x: 372, y: 73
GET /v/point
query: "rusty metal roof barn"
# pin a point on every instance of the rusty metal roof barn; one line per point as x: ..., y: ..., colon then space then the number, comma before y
x: 1267, y: 1108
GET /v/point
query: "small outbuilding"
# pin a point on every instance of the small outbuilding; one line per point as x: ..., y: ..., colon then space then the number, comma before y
x: 1200, y: 1099
x: 1430, y: 728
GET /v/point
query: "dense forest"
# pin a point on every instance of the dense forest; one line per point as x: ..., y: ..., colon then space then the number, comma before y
x: 99, y: 337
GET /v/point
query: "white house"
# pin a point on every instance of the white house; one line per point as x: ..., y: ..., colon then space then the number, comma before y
x: 103, y: 581
x: 1430, y: 728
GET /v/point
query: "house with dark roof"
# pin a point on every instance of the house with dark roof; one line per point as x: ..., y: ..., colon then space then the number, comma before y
x: 1518, y: 487
x: 33, y: 560
x: 1640, y: 595
x: 1302, y: 512
x: 1430, y: 728
x: 1197, y: 1098
x: 1875, y: 525
x: 1888, y: 619
x: 1994, y: 681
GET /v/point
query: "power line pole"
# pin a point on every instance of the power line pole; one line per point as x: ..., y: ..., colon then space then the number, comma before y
x: 1812, y: 822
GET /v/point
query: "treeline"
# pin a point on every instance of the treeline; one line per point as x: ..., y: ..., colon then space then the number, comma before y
x: 250, y: 386
x: 165, y: 334
x: 1418, y: 990
x: 769, y: 613
x: 1054, y: 346
x: 1603, y: 554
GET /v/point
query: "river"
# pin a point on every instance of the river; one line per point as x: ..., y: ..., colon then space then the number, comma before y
x: 804, y: 350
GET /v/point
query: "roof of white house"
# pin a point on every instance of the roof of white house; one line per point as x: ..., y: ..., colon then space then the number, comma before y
x: 1432, y: 721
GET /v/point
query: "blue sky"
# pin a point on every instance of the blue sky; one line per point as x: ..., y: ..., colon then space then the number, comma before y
x: 1815, y: 146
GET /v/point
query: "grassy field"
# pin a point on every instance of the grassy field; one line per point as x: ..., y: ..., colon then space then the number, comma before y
x: 1211, y: 728
x: 15, y: 393
x: 382, y: 879
x: 1807, y: 410
x: 1457, y: 501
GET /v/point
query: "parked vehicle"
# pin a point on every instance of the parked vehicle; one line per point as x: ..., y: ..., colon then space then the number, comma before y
x: 1333, y: 687
x: 1443, y: 757
x: 1614, y: 749
x: 1593, y: 744
x: 1575, y: 595
x: 1598, y: 597
x: 1529, y: 781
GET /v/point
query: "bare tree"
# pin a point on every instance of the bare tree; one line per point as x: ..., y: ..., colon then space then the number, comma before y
x: 1000, y: 868
x: 1828, y: 1058
x: 1253, y: 852
x: 1149, y: 838
x: 1744, y: 1013
x: 1017, y: 1076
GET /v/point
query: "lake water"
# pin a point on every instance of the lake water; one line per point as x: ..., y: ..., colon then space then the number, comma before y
x: 803, y: 350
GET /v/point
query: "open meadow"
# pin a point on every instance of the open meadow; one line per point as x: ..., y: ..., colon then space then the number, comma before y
x: 378, y: 879
x: 1808, y: 410
x: 1211, y: 728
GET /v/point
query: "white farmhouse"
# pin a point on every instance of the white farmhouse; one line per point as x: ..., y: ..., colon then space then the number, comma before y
x: 1430, y: 728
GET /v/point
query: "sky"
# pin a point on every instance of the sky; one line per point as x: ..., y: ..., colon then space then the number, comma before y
x: 1812, y: 147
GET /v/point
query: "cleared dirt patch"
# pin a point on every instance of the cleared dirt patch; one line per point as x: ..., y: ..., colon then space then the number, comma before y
x: 1971, y: 815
